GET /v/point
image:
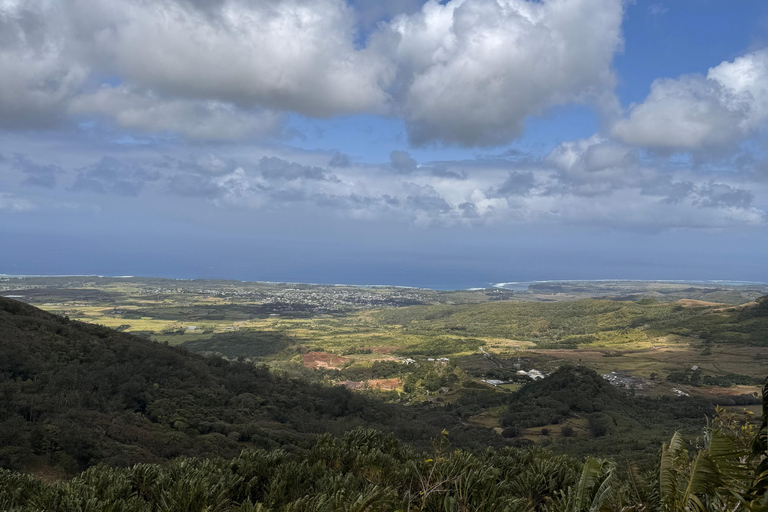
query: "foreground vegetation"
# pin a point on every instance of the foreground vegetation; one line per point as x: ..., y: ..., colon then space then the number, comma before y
x: 365, y: 470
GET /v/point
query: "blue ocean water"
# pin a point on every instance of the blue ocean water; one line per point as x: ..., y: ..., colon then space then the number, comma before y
x: 462, y: 264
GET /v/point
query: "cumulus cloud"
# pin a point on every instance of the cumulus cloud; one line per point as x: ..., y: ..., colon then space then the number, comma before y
x: 596, y: 165
x: 657, y: 9
x: 696, y: 112
x: 295, y: 55
x: 193, y: 185
x: 471, y: 71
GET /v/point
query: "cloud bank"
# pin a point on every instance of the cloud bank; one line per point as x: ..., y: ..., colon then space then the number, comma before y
x: 589, y: 182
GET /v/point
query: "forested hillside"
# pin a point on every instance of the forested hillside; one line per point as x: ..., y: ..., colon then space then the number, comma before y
x: 76, y: 394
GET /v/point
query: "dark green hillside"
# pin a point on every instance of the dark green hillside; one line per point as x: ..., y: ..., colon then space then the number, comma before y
x: 614, y: 422
x: 575, y: 390
x: 75, y: 394
x: 242, y: 344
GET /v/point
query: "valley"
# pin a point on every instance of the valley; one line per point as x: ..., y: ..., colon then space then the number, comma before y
x: 417, y: 346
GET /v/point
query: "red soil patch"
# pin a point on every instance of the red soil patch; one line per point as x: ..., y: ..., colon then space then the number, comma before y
x: 324, y: 360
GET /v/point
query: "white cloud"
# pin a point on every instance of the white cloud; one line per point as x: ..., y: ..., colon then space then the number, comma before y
x: 471, y: 71
x: 587, y: 182
x: 695, y: 112
x: 295, y: 55
x: 590, y: 182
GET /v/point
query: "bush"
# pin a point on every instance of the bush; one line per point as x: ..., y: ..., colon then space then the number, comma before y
x: 511, y: 432
x: 598, y: 425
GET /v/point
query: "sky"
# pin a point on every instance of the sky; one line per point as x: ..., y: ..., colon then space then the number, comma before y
x: 449, y: 144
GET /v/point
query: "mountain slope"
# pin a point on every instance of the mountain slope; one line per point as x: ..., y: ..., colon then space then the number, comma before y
x: 76, y: 394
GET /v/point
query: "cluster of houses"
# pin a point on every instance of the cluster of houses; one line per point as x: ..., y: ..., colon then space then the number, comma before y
x: 330, y: 298
x: 625, y: 380
x: 532, y: 374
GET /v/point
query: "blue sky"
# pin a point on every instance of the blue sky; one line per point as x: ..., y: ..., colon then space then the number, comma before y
x: 450, y: 144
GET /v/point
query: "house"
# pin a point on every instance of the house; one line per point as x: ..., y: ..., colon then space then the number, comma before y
x: 533, y: 374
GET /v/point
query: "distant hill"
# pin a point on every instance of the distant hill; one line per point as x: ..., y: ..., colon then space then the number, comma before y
x: 615, y: 422
x: 570, y: 323
x: 76, y: 394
